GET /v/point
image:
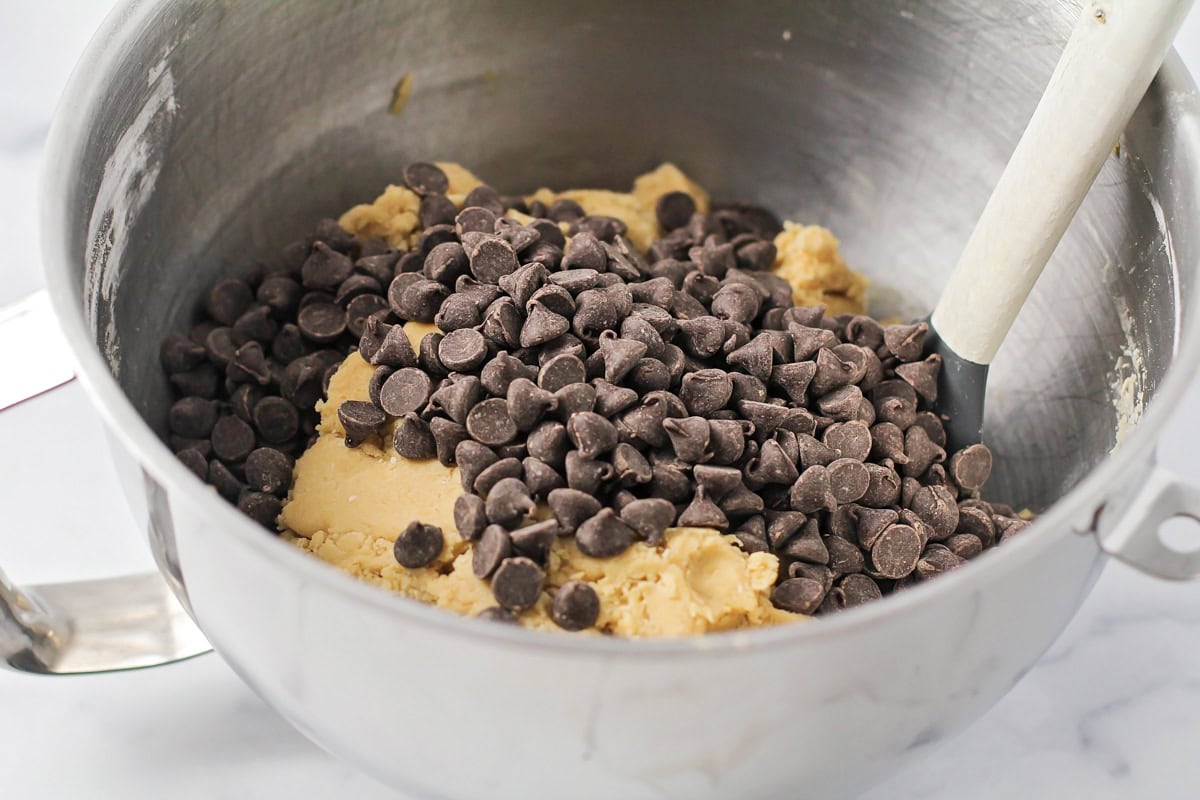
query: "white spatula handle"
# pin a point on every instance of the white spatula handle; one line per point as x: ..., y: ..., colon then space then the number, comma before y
x: 1115, y: 50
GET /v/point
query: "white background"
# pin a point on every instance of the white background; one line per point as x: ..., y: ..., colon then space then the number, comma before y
x: 1112, y: 711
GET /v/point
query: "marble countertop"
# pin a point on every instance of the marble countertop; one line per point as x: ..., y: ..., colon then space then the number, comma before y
x: 1111, y: 712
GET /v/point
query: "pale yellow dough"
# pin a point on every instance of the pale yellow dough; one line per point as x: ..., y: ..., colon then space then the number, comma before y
x: 348, y: 504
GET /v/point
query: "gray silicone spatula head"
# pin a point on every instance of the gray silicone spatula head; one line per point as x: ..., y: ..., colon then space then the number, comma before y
x: 1109, y: 61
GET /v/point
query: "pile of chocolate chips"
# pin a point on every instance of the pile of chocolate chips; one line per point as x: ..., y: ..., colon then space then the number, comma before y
x: 627, y: 393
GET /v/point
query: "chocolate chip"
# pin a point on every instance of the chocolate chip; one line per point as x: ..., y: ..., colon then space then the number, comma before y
x: 180, y: 354
x: 935, y: 505
x: 772, y: 465
x: 220, y: 345
x: 689, y: 437
x: 561, y: 371
x: 463, y: 350
x: 798, y: 595
x: 192, y: 417
x: 851, y: 439
x: 706, y: 391
x: 517, y: 583
x: 736, y: 301
x: 395, y: 349
x: 268, y: 470
x: 509, y: 502
x: 413, y: 437
x: 586, y: 474
x: 194, y: 460
x: 844, y: 556
x: 922, y: 376
x: 360, y: 420
x: 848, y: 480
x: 976, y: 522
x: 576, y: 606
x: 491, y: 475
x: 619, y: 355
x: 858, y: 589
x: 757, y: 255
x: 896, y: 552
x: 498, y: 614
x: 540, y: 477
x: 325, y: 268
x: 276, y: 420
x: 418, y: 300
x: 405, y: 390
x: 603, y: 535
x: 542, y: 325
x: 322, y: 322
x: 228, y: 299
x: 485, y: 197
x: 649, y: 518
x: 971, y: 466
x: 920, y: 453
x: 261, y: 507
x: 937, y: 559
x: 674, y: 210
x: 425, y: 178
x: 535, y: 541
x: 436, y: 209
x: 727, y: 440
x: 456, y: 397
x: 224, y: 481
x: 232, y: 439
x: 812, y: 492
x: 418, y: 545
x: 446, y: 436
x: 808, y: 545
x: 702, y: 512
x: 592, y: 434
x: 841, y: 404
x: 630, y: 466
x: 489, y: 423
x: 492, y: 259
x: 906, y: 342
x: 807, y: 341
x: 611, y: 399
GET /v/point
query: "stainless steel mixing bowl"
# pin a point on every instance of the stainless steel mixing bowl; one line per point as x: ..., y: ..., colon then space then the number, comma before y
x: 198, y: 136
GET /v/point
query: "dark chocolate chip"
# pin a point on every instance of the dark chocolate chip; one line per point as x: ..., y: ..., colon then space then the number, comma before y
x: 418, y: 545
x: 631, y: 466
x: 463, y: 350
x: 808, y: 545
x: 395, y: 350
x: 261, y: 507
x: 509, y: 502
x: 851, y: 439
x: 489, y: 423
x: 491, y: 475
x: 798, y: 595
x: 194, y: 460
x: 702, y: 512
x: 224, y: 481
x: 493, y: 547
x: 322, y: 322
x: 906, y: 342
x: 807, y: 341
x: 232, y: 439
x: 405, y: 390
x: 560, y: 371
x: 180, y: 354
x: 425, y: 178
x: 571, y: 507
x: 576, y: 606
x: 360, y: 419
x: 413, y: 437
x: 884, y: 488
x: 446, y: 436
x: 603, y: 535
x: 592, y: 434
x: 937, y: 559
x: 456, y: 397
x: 492, y: 259
x: 325, y: 268
x: 548, y: 442
x: 970, y: 467
x: 542, y: 325
x: 540, y: 477
x: 276, y: 419
x: 772, y: 465
x: 192, y: 417
x: 848, y: 480
x: 896, y: 552
x: 517, y: 583
x: 689, y: 437
x: 498, y: 614
x: 812, y: 492
x: 612, y: 399
x: 649, y: 518
x: 922, y: 376
x: 268, y: 470
x: 436, y: 209
x: 586, y: 474
x: 936, y: 506
x: 858, y: 589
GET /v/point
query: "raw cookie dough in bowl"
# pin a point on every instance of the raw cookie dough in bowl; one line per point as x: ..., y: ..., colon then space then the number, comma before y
x: 203, y: 136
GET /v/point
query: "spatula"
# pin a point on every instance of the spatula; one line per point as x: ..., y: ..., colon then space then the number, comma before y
x: 1112, y: 55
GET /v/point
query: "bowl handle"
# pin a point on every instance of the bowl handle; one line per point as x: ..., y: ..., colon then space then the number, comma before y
x: 1131, y: 532
x: 85, y: 626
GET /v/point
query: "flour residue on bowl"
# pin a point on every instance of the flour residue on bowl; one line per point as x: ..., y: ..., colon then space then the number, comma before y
x: 126, y: 184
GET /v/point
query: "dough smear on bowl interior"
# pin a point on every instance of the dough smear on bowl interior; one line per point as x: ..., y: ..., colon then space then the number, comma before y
x: 348, y: 504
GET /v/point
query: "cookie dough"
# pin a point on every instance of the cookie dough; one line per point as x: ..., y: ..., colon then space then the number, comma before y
x: 348, y: 504
x: 808, y: 255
